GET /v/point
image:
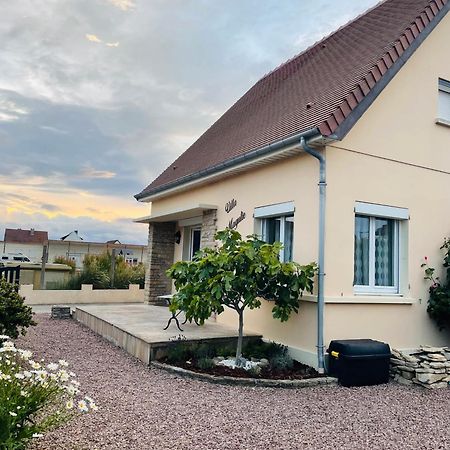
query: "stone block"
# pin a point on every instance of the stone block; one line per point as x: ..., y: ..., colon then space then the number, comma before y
x: 407, y: 375
x: 429, y: 378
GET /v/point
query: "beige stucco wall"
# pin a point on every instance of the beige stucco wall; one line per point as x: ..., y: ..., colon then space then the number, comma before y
x: 400, y: 126
x: 85, y: 295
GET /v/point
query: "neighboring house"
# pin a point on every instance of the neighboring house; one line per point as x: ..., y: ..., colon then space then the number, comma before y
x: 373, y: 99
x: 72, y: 236
x: 70, y: 246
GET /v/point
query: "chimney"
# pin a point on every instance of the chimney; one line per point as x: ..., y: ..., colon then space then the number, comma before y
x: 32, y: 232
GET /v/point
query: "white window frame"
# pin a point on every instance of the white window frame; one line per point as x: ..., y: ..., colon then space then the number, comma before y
x: 276, y: 211
x: 443, y: 102
x: 400, y: 215
x: 191, y: 240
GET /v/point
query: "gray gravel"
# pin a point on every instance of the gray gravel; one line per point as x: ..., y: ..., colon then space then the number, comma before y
x: 149, y: 409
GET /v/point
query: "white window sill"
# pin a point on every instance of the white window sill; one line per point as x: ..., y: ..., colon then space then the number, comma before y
x: 444, y: 122
x: 386, y: 299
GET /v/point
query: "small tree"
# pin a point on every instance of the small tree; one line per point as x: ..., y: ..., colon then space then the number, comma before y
x: 238, y: 274
x: 439, y: 301
x: 15, y: 316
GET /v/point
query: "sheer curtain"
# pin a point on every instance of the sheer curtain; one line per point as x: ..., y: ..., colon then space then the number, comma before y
x: 362, y: 248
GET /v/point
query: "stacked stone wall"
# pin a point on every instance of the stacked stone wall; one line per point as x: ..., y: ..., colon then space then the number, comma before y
x: 161, y: 246
x: 209, y: 228
x: 427, y: 366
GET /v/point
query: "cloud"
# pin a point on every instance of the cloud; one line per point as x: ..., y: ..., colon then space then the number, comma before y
x: 124, y: 5
x: 90, y: 172
x: 10, y: 111
x: 93, y: 38
x: 112, y: 44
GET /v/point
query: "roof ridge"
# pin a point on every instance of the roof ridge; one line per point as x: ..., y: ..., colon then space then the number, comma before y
x: 381, y: 66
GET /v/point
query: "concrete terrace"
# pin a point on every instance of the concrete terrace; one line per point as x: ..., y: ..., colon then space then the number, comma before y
x: 139, y: 328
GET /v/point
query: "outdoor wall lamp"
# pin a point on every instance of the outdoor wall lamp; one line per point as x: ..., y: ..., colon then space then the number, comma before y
x: 177, y: 237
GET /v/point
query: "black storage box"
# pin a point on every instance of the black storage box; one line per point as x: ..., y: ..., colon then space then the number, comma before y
x: 359, y: 362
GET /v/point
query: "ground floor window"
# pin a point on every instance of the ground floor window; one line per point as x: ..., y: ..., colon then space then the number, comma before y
x: 276, y: 224
x: 194, y: 242
x: 376, y: 249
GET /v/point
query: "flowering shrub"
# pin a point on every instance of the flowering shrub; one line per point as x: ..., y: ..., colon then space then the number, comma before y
x: 34, y: 396
x: 439, y: 301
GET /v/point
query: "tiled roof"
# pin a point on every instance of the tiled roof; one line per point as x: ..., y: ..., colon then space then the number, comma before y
x: 320, y: 88
x: 25, y: 236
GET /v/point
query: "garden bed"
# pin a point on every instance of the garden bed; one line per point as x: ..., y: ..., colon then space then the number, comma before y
x: 246, y: 381
x: 298, y: 371
x: 260, y: 361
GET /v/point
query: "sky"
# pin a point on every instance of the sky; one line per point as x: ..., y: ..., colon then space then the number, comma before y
x: 98, y: 97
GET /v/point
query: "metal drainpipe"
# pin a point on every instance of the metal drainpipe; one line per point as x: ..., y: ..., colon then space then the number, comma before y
x: 320, y: 289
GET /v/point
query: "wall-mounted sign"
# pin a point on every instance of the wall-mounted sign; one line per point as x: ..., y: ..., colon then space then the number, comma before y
x: 230, y: 205
x: 233, y: 223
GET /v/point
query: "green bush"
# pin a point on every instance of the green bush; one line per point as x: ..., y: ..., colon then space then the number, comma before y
x: 282, y: 363
x: 260, y: 349
x: 226, y: 350
x: 67, y: 261
x: 179, y: 353
x: 34, y: 398
x: 15, y: 316
x: 439, y: 301
x: 204, y: 363
x: 97, y: 269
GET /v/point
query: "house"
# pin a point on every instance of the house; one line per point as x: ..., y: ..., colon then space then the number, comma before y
x: 72, y: 246
x: 25, y: 236
x: 369, y: 105
x: 72, y: 236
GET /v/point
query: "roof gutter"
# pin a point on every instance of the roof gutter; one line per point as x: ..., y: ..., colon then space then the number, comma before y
x: 228, y: 164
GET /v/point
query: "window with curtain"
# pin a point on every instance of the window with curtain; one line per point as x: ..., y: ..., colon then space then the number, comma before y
x: 376, y: 255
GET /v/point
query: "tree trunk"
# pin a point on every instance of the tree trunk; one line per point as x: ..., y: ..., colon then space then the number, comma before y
x: 240, y: 336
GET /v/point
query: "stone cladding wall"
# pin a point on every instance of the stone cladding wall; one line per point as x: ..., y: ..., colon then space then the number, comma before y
x: 209, y: 228
x: 161, y: 246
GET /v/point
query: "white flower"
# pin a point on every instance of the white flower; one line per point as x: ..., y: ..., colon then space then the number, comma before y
x: 24, y: 393
x: 19, y: 376
x: 35, y: 365
x: 82, y: 406
x: 52, y: 366
x: 4, y: 337
x: 41, y: 375
x: 27, y: 374
x: 26, y: 354
x: 63, y: 375
x: 11, y: 413
x: 71, y: 389
x: 93, y: 406
x: 69, y: 404
x: 37, y: 435
x: 63, y: 363
x: 89, y: 399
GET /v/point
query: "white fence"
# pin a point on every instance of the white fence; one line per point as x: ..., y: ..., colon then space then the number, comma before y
x: 86, y: 295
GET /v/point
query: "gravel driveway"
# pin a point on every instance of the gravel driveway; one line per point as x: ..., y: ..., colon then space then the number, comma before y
x: 149, y: 409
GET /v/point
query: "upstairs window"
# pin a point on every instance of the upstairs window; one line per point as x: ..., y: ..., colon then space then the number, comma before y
x: 444, y: 102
